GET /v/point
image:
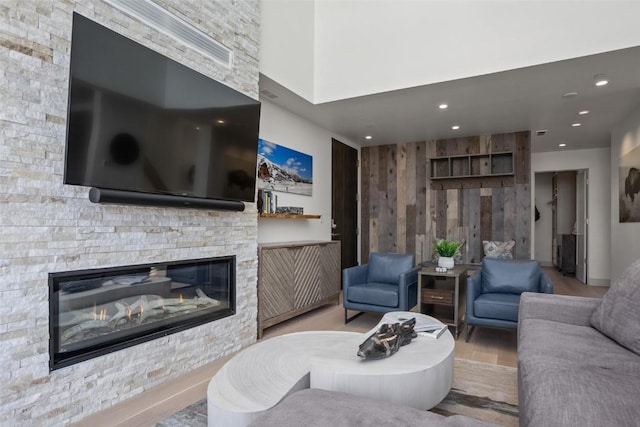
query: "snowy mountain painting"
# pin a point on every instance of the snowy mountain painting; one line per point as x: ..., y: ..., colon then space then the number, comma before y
x: 283, y: 169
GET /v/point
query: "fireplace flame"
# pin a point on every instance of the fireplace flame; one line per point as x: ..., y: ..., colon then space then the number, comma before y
x: 102, y: 315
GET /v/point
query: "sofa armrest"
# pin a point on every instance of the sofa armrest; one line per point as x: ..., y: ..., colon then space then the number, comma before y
x: 474, y: 288
x: 546, y: 286
x: 408, y: 284
x: 409, y: 277
x: 354, y: 276
x: 558, y: 308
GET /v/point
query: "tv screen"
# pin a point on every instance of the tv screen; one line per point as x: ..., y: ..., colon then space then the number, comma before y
x: 139, y: 121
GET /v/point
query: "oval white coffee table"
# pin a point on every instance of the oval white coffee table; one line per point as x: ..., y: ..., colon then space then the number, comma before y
x: 420, y: 374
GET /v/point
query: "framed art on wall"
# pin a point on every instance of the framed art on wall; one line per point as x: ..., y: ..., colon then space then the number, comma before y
x: 283, y: 169
x: 630, y: 186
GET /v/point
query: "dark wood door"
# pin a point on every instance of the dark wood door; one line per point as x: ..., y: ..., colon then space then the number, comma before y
x: 344, y: 210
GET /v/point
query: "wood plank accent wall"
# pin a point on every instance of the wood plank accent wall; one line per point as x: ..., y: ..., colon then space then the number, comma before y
x: 403, y: 210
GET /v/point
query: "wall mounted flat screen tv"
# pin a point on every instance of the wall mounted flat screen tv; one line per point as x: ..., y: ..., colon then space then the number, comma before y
x: 139, y: 121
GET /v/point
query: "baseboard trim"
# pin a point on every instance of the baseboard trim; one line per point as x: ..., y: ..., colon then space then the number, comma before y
x: 598, y: 282
x: 159, y: 402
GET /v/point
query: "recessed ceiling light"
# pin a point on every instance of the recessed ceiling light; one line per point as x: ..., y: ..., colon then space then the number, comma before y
x: 220, y: 121
x: 600, y: 80
x: 575, y: 125
x: 562, y: 145
x: 583, y: 112
x: 570, y: 94
x: 455, y: 127
x: 443, y: 106
x: 368, y: 137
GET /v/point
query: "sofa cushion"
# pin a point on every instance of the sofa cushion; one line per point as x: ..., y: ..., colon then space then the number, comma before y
x: 321, y: 408
x: 567, y: 344
x: 507, y: 276
x: 498, y: 249
x: 380, y: 294
x: 387, y: 268
x: 497, y: 306
x: 573, y: 375
x: 617, y: 315
x: 576, y: 395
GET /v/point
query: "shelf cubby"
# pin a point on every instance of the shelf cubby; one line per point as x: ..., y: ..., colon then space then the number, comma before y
x: 472, y: 165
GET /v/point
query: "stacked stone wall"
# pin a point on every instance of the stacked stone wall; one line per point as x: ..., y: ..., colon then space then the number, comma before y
x: 46, y: 226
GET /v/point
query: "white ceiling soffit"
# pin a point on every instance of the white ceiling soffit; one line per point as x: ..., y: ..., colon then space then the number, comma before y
x: 160, y: 19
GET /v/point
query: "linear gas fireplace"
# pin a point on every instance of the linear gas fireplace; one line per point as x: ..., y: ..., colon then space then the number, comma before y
x: 94, y: 312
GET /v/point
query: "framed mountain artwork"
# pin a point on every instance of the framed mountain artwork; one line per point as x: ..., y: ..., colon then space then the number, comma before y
x: 283, y: 169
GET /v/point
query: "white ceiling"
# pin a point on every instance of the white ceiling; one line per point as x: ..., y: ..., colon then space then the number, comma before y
x: 528, y: 98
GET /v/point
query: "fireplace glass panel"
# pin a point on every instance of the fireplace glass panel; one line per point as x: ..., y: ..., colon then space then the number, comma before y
x: 94, y: 312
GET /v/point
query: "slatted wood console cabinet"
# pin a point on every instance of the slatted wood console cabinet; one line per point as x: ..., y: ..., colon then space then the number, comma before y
x: 294, y: 278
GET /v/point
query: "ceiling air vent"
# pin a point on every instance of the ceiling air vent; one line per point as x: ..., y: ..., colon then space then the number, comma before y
x: 268, y: 94
x: 541, y: 132
x: 160, y: 19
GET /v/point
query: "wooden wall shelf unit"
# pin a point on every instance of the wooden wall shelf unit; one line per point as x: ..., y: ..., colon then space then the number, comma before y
x: 472, y: 165
x: 404, y: 209
x: 289, y: 216
x: 296, y: 277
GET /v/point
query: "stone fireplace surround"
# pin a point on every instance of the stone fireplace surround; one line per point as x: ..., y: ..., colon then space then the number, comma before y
x: 49, y: 227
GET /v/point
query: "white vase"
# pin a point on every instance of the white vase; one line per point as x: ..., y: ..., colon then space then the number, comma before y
x: 446, y: 262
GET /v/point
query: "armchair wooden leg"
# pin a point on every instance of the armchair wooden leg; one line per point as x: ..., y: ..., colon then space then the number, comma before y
x: 469, y: 332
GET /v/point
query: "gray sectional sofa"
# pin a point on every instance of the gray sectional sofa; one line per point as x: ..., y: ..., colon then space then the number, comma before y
x: 579, y: 358
x: 321, y: 408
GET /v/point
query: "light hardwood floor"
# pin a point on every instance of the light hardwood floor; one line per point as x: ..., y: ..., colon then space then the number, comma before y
x: 486, y: 345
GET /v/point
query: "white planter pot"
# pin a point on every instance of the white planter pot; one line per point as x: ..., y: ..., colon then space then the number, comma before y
x: 446, y: 262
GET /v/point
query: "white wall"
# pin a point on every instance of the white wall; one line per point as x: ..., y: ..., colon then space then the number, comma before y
x: 287, y: 44
x: 625, y: 237
x: 597, y: 161
x: 543, y: 195
x: 365, y: 47
x: 285, y: 128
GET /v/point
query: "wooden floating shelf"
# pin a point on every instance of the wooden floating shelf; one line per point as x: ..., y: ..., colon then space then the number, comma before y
x: 289, y: 216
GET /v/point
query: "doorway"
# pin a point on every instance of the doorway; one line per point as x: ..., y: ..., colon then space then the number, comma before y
x: 344, y: 201
x: 582, y: 222
x: 561, y: 223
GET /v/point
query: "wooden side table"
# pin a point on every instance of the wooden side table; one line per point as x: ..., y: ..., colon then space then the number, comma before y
x: 443, y: 295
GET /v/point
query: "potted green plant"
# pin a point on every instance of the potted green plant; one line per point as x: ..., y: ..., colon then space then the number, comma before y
x: 447, y: 250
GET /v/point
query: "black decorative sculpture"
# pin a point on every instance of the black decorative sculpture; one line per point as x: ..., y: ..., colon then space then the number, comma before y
x: 387, y: 340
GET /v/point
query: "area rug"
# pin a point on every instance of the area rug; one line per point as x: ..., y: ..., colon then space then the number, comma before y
x: 480, y: 390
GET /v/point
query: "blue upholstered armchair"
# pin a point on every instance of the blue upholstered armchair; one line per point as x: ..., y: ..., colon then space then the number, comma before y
x: 388, y: 283
x: 493, y: 295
